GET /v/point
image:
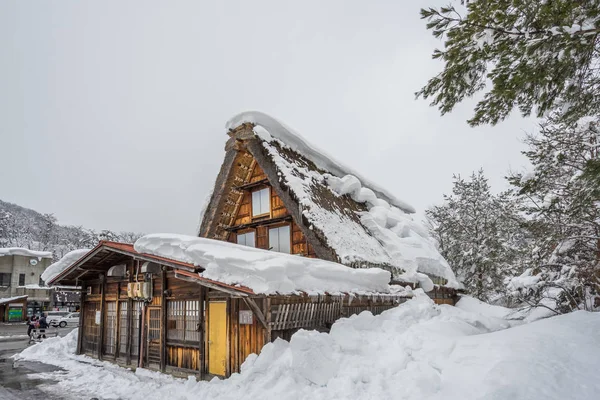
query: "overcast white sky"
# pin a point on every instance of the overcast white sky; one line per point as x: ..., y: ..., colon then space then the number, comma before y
x: 112, y: 113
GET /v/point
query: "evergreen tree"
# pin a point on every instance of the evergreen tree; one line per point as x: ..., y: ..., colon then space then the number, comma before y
x: 563, y: 204
x: 539, y: 56
x: 480, y: 235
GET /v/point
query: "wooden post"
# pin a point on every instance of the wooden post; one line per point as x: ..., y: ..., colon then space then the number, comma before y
x: 163, y: 321
x: 80, y: 331
x: 268, y: 320
x: 202, y: 321
x: 118, y: 322
x: 129, y: 318
x: 102, y: 315
x: 142, y: 348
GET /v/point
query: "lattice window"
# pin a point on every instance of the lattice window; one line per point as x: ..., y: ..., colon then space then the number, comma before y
x: 110, y: 328
x: 91, y: 329
x: 135, y: 325
x: 183, y: 321
x: 123, y: 326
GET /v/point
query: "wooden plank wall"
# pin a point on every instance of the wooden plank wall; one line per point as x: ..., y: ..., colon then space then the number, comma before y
x: 244, y: 339
x: 184, y: 356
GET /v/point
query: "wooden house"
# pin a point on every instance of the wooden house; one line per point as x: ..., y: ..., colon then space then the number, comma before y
x: 289, y: 239
x: 144, y: 310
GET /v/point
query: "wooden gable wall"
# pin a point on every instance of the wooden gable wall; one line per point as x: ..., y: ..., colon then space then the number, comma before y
x: 277, y: 217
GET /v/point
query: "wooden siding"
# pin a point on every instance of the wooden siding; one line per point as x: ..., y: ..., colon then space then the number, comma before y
x: 244, y: 339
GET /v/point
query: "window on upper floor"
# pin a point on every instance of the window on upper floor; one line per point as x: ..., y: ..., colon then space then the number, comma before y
x: 5, y: 279
x: 246, y: 239
x: 261, y: 202
x: 42, y: 281
x: 279, y: 239
x: 21, y: 279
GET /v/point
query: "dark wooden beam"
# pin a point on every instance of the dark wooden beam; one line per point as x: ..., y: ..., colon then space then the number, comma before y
x: 211, y: 285
x: 81, y: 330
x: 262, y: 222
x: 252, y: 184
x: 163, y: 321
x: 202, y: 322
x: 257, y: 311
x: 102, y: 306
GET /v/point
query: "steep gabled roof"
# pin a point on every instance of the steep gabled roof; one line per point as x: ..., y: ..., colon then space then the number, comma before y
x: 345, y: 217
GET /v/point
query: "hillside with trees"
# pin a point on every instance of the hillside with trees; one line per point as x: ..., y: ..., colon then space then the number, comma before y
x: 27, y: 228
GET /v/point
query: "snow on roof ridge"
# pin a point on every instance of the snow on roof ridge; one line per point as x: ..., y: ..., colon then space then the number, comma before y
x: 296, y: 142
x: 20, y: 251
x: 263, y: 271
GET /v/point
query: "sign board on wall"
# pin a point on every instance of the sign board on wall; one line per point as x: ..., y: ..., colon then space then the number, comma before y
x: 246, y: 317
x: 15, y: 314
x: 97, y: 317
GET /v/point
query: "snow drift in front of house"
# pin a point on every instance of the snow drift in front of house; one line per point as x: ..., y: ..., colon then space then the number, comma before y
x: 54, y: 269
x: 384, y: 235
x: 415, y: 351
x: 19, y: 251
x: 263, y: 271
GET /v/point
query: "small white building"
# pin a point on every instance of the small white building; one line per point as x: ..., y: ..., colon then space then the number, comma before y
x: 20, y: 275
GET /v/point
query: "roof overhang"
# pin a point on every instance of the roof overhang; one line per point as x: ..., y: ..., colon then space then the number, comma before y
x: 105, y: 255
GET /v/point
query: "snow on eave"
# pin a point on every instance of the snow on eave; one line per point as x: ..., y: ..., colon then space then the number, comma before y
x: 54, y: 270
x: 19, y: 251
x: 9, y: 299
x: 321, y: 159
x: 263, y: 271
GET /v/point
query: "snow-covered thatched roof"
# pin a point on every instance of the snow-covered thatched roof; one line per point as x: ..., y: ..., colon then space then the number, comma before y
x: 345, y: 217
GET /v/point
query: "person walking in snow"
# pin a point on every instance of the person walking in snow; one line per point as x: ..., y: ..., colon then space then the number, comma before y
x: 30, y: 325
x: 43, y: 325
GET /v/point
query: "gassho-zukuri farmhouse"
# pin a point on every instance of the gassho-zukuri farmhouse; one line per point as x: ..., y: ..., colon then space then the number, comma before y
x: 289, y: 239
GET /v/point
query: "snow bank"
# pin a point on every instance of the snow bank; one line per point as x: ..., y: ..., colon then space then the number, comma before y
x: 415, y: 351
x: 53, y: 270
x: 407, y: 243
x: 18, y: 251
x: 263, y: 271
x: 321, y: 159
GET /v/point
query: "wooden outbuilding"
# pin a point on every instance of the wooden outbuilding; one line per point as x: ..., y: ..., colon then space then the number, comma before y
x: 143, y: 310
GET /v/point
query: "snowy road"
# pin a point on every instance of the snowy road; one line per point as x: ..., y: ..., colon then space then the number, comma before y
x: 20, y: 380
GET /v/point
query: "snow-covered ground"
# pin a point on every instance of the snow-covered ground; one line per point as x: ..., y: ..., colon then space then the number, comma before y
x: 416, y: 351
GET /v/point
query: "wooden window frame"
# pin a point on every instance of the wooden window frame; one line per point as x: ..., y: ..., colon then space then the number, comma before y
x: 275, y: 226
x: 263, y: 215
x: 21, y: 276
x: 244, y: 232
x: 181, y: 306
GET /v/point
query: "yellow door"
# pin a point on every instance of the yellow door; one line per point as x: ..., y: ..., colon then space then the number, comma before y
x: 217, y: 337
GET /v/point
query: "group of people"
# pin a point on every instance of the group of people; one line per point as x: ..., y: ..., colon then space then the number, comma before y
x: 37, y: 323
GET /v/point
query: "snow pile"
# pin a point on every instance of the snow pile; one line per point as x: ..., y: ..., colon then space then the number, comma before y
x: 263, y: 271
x: 407, y: 243
x: 415, y: 351
x: 53, y: 270
x: 384, y: 235
x: 19, y: 251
